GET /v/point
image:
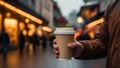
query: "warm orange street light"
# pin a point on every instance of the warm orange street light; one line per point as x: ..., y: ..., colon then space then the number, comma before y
x: 101, y: 20
x: 48, y: 29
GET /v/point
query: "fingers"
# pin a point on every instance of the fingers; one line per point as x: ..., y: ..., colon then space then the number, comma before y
x: 55, y: 41
x: 55, y: 48
x: 56, y: 53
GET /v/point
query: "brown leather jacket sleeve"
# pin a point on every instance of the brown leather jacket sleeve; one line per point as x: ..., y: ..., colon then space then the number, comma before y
x: 97, y: 48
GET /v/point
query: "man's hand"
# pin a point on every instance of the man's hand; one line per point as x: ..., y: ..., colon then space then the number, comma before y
x: 76, y: 46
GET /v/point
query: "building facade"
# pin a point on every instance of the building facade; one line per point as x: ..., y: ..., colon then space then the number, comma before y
x: 45, y: 8
x: 103, y: 3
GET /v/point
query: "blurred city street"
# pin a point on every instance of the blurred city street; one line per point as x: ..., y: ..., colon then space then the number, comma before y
x: 44, y: 58
x: 26, y: 22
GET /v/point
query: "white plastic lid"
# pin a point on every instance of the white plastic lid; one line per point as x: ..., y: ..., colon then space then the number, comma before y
x: 64, y: 31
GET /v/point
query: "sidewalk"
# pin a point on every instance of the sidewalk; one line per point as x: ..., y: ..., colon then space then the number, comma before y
x: 9, y: 48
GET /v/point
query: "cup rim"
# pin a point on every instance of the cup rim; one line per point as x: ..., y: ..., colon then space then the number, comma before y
x: 64, y: 32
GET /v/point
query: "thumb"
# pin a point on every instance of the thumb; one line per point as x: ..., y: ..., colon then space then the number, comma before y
x: 72, y: 45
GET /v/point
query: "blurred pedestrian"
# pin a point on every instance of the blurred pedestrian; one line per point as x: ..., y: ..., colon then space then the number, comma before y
x: 21, y: 42
x: 34, y: 40
x: 4, y: 41
x: 44, y: 41
x: 106, y: 42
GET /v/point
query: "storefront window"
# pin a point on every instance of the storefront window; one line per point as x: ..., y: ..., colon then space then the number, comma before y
x: 11, y: 27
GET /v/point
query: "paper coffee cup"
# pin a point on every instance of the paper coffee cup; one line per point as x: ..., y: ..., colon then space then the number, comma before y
x: 63, y: 37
